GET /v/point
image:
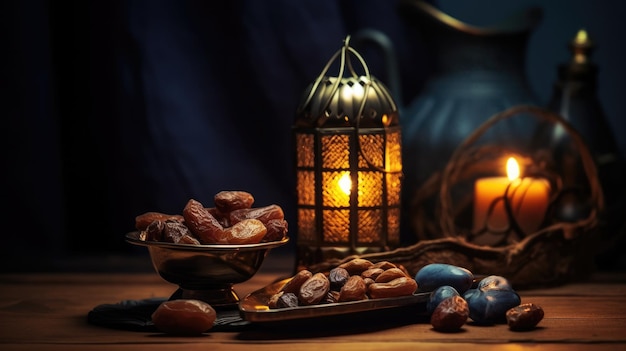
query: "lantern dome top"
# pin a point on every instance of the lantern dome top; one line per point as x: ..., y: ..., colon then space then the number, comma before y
x: 347, y: 101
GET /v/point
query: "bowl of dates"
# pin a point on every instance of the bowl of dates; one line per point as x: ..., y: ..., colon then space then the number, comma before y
x: 206, y: 250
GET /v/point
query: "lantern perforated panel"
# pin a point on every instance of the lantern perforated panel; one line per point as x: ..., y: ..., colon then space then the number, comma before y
x: 393, y: 226
x: 307, y: 230
x: 306, y: 188
x: 335, y: 151
x: 336, y: 227
x: 393, y: 148
x: 305, y: 146
x: 370, y: 189
x: 370, y: 227
x: 372, y: 147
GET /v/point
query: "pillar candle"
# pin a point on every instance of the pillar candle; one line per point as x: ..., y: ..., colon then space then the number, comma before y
x: 529, y: 198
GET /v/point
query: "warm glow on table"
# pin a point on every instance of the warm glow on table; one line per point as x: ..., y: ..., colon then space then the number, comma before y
x: 529, y: 198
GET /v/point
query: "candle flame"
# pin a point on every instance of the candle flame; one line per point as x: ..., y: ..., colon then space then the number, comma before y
x: 581, y: 36
x: 512, y: 169
x: 345, y: 183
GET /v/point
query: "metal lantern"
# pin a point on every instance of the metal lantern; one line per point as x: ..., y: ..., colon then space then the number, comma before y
x: 348, y: 165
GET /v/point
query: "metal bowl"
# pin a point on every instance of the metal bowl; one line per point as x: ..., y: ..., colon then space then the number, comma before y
x: 206, y: 272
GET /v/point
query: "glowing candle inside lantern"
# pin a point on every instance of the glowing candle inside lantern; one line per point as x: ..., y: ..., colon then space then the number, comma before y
x: 528, y: 199
x: 345, y: 183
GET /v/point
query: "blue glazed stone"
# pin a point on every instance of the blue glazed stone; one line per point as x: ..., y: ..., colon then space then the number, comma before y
x: 494, y: 282
x: 438, y: 295
x: 434, y: 275
x: 469, y: 294
x: 490, y: 306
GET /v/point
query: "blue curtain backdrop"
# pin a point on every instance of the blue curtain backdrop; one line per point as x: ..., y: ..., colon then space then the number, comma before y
x: 114, y: 108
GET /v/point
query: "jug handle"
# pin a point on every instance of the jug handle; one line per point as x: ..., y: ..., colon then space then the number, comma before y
x: 385, y: 45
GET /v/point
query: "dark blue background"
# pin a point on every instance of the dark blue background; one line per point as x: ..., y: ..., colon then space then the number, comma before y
x: 114, y: 108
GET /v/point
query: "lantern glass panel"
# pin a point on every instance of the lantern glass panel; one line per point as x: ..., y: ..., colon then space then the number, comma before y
x: 305, y: 146
x: 394, y: 181
x: 333, y: 195
x: 306, y: 187
x: 394, y: 152
x: 336, y: 226
x: 335, y: 154
x: 393, y: 226
x: 373, y: 147
x: 307, y: 228
x: 370, y: 227
x: 370, y: 189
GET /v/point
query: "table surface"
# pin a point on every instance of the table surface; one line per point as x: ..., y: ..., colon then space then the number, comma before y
x: 48, y: 311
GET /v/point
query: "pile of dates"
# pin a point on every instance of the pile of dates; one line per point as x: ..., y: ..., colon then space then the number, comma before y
x: 355, y: 280
x: 454, y: 299
x: 232, y: 220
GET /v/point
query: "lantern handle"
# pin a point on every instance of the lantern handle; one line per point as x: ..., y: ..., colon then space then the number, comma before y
x: 345, y: 49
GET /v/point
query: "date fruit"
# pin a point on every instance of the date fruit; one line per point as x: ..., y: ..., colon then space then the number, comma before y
x: 338, y: 277
x: 143, y: 220
x: 202, y: 223
x: 450, y: 314
x: 314, y: 289
x: 264, y: 214
x: 356, y: 266
x: 287, y: 300
x: 184, y: 317
x: 440, y: 294
x: 389, y: 275
x: 384, y: 265
x: 296, y: 282
x: 524, y: 317
x: 372, y: 273
x: 230, y: 200
x: 273, y: 300
x: 179, y: 233
x: 276, y: 230
x: 248, y: 231
x: 402, y: 286
x: 353, y: 290
x: 154, y: 231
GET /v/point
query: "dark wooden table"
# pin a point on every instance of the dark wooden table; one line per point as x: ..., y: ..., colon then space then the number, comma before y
x: 48, y: 311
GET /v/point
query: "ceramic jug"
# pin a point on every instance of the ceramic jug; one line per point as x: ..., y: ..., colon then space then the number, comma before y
x: 479, y: 71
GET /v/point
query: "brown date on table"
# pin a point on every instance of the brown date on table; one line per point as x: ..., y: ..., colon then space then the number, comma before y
x: 524, y: 317
x: 450, y: 315
x: 184, y: 317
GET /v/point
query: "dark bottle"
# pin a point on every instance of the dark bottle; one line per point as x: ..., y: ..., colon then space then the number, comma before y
x: 575, y: 98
